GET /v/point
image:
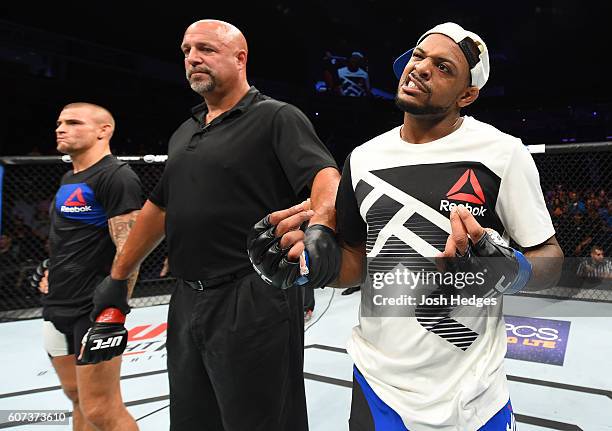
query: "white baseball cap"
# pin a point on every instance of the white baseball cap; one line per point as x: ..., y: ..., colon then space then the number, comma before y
x: 478, y: 60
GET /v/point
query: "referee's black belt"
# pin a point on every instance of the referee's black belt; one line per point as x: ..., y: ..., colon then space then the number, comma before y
x: 217, y: 281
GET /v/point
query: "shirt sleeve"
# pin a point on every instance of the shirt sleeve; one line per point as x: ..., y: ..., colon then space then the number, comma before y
x: 520, y: 204
x: 121, y: 192
x: 350, y: 226
x: 298, y: 148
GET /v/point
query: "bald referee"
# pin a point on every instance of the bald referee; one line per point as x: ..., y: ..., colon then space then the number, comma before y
x: 235, y: 345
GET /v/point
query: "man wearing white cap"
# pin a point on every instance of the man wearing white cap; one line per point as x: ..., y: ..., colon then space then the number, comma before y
x: 417, y: 194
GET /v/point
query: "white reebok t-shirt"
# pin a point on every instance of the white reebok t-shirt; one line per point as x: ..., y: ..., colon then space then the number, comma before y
x: 446, y: 373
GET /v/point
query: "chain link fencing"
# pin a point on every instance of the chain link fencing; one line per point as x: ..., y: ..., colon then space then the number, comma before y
x: 29, y: 185
x: 575, y: 180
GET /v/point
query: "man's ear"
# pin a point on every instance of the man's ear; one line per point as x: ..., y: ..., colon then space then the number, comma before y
x: 241, y: 59
x: 468, y: 97
x: 106, y: 131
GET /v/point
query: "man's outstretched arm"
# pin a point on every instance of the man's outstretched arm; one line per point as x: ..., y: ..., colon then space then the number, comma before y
x: 546, y: 261
x: 323, y: 197
x: 353, y: 268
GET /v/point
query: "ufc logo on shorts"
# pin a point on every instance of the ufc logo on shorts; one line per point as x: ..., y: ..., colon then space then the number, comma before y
x: 109, y: 342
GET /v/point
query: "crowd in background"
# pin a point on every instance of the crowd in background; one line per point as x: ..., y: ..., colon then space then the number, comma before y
x: 582, y: 219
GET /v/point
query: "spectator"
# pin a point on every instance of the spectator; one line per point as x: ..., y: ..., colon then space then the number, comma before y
x: 354, y: 80
x: 596, y: 268
x: 557, y: 208
x: 331, y: 63
x: 596, y: 225
x: 576, y: 204
x: 578, y: 250
x: 607, y: 216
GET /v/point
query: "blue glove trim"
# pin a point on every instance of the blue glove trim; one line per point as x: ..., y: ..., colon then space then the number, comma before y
x: 523, y: 276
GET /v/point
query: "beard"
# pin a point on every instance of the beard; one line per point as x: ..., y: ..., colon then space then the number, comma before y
x: 202, y: 86
x: 64, y: 148
x: 414, y: 109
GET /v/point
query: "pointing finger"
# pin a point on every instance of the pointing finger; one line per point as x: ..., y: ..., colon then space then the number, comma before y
x: 472, y: 226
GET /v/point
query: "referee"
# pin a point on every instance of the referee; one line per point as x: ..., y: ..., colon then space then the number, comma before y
x: 235, y: 344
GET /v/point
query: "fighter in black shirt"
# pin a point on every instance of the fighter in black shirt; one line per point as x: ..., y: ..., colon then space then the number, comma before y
x: 91, y: 216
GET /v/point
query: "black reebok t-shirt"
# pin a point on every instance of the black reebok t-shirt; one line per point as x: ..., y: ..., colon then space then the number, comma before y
x: 223, y: 177
x: 80, y: 245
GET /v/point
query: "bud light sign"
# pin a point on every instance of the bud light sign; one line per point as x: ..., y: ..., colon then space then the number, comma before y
x: 537, y: 340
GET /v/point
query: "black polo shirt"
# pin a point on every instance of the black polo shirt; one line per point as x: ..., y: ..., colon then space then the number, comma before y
x: 223, y: 177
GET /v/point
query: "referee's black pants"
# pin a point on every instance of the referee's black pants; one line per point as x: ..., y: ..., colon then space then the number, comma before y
x: 235, y: 358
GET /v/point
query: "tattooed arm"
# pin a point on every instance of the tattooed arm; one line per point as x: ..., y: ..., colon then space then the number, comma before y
x: 120, y: 227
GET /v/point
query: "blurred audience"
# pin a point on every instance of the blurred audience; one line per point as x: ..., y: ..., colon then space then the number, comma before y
x: 581, y: 218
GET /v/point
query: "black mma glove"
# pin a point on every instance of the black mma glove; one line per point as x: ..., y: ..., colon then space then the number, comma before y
x: 110, y: 293
x: 503, y: 269
x: 322, y: 255
x: 107, y: 337
x: 268, y: 259
x: 39, y: 273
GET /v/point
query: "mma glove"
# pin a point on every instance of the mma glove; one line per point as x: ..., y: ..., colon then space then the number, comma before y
x: 503, y: 270
x: 107, y: 337
x: 39, y: 273
x: 322, y: 254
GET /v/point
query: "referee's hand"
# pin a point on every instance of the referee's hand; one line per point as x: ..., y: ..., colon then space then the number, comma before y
x: 288, y: 222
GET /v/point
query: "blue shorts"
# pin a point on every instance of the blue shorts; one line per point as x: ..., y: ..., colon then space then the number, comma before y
x: 370, y: 413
